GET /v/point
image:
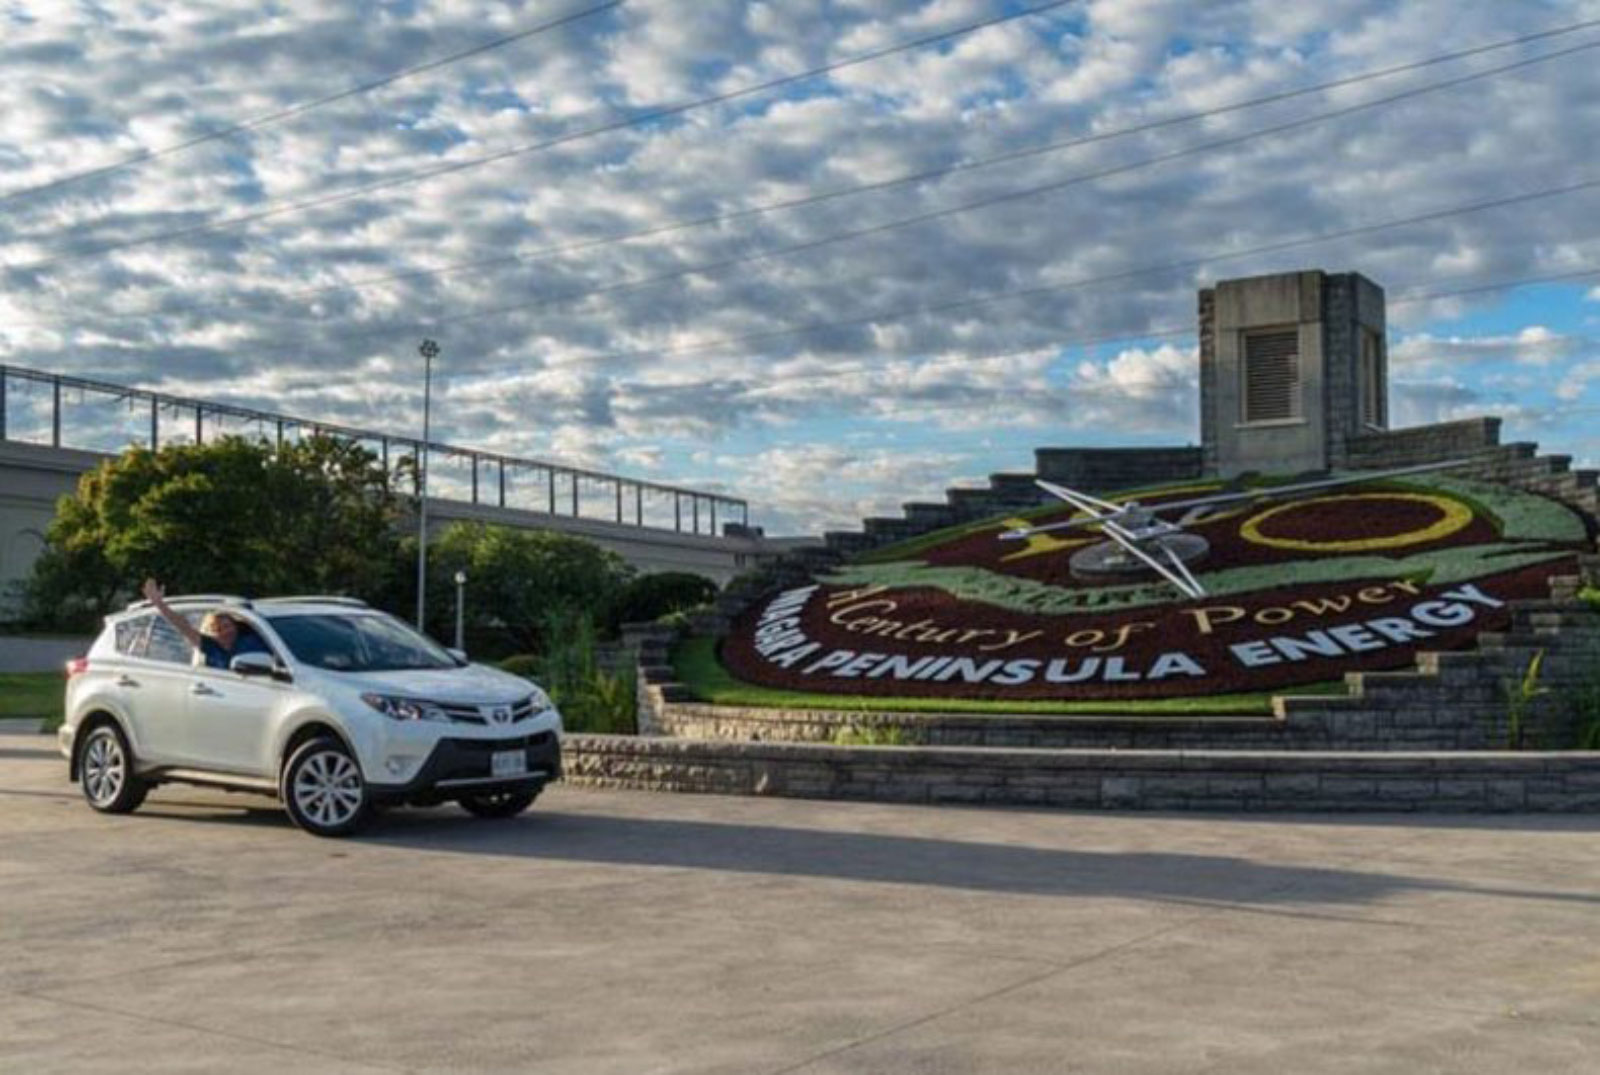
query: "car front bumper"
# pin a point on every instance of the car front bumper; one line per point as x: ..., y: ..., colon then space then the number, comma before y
x: 457, y: 767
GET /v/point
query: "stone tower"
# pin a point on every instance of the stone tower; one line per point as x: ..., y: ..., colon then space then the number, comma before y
x: 1293, y: 367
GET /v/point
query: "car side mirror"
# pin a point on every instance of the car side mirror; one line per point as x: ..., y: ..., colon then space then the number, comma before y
x: 257, y: 664
x: 459, y: 654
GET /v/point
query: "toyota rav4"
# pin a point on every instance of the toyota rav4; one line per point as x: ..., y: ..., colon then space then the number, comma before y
x: 349, y: 712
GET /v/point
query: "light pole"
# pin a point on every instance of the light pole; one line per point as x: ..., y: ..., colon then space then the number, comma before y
x: 461, y: 604
x: 429, y: 351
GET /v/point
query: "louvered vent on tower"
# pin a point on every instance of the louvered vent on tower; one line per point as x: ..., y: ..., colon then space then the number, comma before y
x: 1272, y: 375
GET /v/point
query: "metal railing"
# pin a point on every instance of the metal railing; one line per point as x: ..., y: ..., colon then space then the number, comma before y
x: 494, y: 477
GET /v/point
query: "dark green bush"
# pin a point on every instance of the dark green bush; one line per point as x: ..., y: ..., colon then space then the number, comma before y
x: 649, y: 597
x: 591, y: 698
x: 525, y: 665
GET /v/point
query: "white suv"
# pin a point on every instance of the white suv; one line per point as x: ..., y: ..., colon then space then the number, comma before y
x: 352, y: 711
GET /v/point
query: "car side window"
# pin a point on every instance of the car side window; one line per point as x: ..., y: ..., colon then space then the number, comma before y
x: 131, y: 635
x: 166, y: 644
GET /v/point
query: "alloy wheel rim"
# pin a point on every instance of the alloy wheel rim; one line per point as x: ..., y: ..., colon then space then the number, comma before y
x: 327, y: 788
x: 104, y: 768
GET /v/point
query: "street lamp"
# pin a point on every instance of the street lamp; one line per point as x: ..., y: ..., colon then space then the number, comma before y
x: 429, y: 351
x: 461, y: 604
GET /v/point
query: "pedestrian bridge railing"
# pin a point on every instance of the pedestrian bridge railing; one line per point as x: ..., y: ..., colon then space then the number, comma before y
x: 98, y: 416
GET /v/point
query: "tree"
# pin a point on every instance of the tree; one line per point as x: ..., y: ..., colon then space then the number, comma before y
x: 650, y: 597
x: 517, y: 578
x: 234, y: 516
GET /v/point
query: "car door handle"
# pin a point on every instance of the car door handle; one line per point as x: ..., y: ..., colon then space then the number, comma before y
x: 127, y: 681
x: 201, y: 688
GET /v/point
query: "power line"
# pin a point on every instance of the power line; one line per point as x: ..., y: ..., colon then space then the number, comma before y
x: 432, y: 325
x: 655, y: 115
x: 145, y: 156
x: 1408, y: 295
x: 1188, y: 263
x: 914, y: 177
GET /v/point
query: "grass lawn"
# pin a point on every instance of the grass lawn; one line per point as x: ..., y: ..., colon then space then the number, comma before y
x: 37, y: 695
x: 696, y: 663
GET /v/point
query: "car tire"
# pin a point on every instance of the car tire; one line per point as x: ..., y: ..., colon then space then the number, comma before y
x: 105, y: 772
x: 498, y: 804
x: 323, y: 790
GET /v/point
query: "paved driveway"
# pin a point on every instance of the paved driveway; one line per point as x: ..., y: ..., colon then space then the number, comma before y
x: 631, y: 933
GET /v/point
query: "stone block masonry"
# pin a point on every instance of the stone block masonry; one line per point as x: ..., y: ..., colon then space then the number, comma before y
x: 1238, y: 781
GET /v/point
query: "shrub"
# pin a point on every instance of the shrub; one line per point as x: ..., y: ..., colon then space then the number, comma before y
x: 591, y: 698
x: 871, y: 735
x: 1520, y: 698
x: 650, y: 597
x: 525, y: 665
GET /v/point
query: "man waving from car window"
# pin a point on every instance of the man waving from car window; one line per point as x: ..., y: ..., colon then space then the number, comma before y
x: 220, y: 638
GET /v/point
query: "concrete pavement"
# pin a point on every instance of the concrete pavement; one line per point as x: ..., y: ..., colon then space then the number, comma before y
x: 632, y: 933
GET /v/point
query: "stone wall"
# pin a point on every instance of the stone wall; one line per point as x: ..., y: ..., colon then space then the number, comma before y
x: 1122, y: 780
x: 1101, y: 470
x: 1423, y: 444
x: 1350, y: 302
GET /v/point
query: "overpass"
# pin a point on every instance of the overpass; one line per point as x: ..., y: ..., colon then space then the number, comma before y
x: 54, y: 428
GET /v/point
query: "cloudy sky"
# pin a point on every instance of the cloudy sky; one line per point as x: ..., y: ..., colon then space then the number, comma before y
x: 645, y: 245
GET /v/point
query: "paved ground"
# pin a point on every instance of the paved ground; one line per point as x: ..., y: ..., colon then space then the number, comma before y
x: 630, y: 933
x: 18, y: 654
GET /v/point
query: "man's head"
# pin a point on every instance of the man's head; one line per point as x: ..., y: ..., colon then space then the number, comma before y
x: 222, y: 627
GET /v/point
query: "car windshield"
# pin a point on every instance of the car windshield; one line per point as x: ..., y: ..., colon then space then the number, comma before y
x: 346, y: 642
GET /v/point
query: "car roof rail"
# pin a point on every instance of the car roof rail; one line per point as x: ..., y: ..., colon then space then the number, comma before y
x: 196, y: 599
x: 320, y: 599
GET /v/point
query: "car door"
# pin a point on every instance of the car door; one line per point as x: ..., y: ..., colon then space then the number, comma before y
x: 155, y: 686
x: 230, y: 717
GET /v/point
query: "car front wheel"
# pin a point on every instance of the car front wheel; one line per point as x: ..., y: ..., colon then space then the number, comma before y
x: 323, y: 790
x: 105, y: 772
x: 498, y: 804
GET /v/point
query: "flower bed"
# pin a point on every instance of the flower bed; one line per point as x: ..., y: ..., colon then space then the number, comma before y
x: 1298, y: 592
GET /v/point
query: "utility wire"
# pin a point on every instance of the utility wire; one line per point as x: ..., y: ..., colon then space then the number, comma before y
x: 145, y: 156
x: 433, y: 325
x: 652, y: 116
x: 1088, y: 281
x: 886, y: 184
x: 1408, y: 295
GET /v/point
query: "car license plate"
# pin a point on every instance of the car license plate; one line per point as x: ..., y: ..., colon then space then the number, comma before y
x: 508, y: 763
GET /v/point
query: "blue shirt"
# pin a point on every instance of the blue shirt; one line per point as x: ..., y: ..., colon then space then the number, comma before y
x: 245, y: 640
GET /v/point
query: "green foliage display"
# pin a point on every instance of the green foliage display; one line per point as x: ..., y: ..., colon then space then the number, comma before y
x: 518, y: 579
x: 649, y: 597
x: 234, y: 516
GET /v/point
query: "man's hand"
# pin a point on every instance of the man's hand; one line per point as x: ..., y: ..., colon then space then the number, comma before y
x: 153, y: 592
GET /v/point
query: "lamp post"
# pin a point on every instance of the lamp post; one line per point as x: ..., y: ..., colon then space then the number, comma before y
x: 461, y: 604
x: 429, y: 351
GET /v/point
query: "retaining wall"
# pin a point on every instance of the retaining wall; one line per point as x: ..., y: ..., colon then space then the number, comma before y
x: 1121, y: 780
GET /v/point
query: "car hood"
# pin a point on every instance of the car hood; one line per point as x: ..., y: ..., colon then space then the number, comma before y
x: 475, y: 684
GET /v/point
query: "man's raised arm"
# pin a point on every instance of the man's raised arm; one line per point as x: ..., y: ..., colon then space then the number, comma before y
x: 154, y: 594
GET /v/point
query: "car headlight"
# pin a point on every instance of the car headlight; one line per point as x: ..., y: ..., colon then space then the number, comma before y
x: 540, y: 701
x: 404, y: 708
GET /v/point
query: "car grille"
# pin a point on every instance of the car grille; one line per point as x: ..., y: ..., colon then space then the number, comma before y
x: 479, y: 714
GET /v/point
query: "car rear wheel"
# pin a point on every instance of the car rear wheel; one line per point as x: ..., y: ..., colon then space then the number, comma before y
x: 323, y: 790
x: 498, y: 803
x: 105, y: 772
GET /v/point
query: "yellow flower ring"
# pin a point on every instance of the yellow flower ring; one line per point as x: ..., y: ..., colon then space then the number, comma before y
x: 1456, y: 516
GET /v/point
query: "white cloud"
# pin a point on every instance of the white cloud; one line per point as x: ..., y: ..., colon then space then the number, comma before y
x: 535, y: 363
x: 1535, y: 345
